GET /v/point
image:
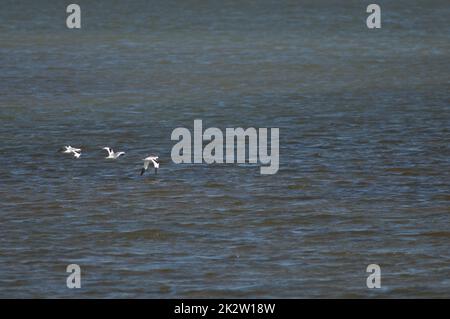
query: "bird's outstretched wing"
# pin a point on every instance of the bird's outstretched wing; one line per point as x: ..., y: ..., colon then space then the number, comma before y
x: 146, y: 164
x: 73, y: 149
x: 155, y: 162
x: 76, y: 155
x: 148, y: 160
x: 109, y: 150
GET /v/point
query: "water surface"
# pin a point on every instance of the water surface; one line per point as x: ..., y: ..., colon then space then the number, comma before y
x: 364, y: 149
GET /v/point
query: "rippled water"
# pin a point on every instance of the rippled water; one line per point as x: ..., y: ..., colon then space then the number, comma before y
x: 364, y: 149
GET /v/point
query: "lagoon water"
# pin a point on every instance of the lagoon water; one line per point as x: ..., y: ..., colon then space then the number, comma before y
x: 364, y: 118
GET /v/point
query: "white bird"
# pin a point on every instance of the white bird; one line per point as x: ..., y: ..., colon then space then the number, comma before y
x: 147, y: 160
x: 111, y: 153
x: 70, y: 149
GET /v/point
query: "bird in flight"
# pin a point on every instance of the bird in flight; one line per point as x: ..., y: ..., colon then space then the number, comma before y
x: 147, y: 161
x: 111, y: 154
x: 72, y: 150
x: 69, y: 149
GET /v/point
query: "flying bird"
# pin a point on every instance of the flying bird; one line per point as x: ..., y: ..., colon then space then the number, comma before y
x: 111, y: 154
x: 69, y: 149
x: 147, y: 161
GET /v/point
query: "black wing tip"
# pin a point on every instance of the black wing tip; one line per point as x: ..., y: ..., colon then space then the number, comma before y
x: 142, y: 171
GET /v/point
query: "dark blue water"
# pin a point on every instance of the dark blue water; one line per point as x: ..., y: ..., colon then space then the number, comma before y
x: 364, y: 149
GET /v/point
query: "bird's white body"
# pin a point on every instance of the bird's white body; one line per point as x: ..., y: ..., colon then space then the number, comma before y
x: 69, y: 149
x: 72, y: 150
x: 111, y: 154
x: 147, y: 161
